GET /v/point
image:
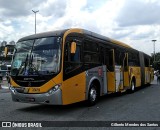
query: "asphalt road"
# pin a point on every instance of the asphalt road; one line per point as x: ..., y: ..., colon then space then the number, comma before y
x: 143, y: 105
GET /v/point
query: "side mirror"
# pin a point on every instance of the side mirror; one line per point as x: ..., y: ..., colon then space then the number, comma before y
x: 73, y: 47
x: 5, y: 51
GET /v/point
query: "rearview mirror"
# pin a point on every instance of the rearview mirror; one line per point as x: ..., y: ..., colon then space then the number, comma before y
x: 73, y: 47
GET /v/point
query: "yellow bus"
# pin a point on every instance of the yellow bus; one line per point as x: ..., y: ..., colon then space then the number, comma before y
x: 68, y: 66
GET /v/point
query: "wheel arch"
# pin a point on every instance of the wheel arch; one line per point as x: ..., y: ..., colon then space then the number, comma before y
x: 95, y: 81
x: 134, y: 80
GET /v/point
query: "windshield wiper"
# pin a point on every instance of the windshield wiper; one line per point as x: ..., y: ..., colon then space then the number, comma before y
x: 32, y: 67
x: 25, y: 65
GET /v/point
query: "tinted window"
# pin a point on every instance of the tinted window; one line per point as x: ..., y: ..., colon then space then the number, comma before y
x: 90, y: 46
x: 146, y: 60
x: 91, y: 52
x: 133, y: 59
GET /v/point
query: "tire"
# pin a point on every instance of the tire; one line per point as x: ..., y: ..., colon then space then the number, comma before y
x: 132, y: 89
x: 92, y: 95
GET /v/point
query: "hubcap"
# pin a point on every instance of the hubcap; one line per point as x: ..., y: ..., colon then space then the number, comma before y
x: 93, y: 94
x: 133, y: 86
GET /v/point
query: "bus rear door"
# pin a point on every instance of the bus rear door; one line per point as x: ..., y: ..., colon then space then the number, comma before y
x: 110, y: 61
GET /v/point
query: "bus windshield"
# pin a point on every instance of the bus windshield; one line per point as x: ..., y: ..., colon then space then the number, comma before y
x: 38, y: 56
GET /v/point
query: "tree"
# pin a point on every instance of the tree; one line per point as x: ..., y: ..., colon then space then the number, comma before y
x: 12, y: 43
x: 156, y: 64
x: 3, y: 43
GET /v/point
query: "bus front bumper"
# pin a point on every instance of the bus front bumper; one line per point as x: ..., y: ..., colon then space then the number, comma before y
x: 54, y: 98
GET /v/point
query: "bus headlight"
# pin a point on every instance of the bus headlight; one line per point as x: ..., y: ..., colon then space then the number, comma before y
x: 54, y: 89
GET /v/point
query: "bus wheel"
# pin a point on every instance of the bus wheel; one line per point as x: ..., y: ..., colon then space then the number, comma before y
x: 92, y: 95
x: 132, y: 89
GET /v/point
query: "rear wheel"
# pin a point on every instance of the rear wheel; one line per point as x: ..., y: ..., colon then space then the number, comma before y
x: 92, y: 95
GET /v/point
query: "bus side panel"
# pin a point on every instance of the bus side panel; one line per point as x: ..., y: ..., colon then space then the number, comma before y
x: 152, y: 74
x: 147, y: 75
x: 73, y: 89
x: 136, y: 73
x: 126, y: 79
x: 141, y: 59
x: 111, y: 81
x: 138, y: 76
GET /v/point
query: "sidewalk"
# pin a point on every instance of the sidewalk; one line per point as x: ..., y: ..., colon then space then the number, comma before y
x: 4, y: 86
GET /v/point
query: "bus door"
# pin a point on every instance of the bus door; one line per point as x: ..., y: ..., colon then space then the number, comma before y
x: 126, y: 77
x: 73, y: 75
x: 118, y: 77
x: 110, y: 61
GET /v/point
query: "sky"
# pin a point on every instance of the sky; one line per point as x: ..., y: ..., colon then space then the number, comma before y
x: 134, y: 22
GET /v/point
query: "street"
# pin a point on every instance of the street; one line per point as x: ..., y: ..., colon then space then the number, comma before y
x: 143, y: 105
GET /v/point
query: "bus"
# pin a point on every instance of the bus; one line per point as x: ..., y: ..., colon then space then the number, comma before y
x: 72, y: 65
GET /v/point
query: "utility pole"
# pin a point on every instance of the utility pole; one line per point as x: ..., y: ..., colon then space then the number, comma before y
x: 35, y: 18
x: 154, y: 49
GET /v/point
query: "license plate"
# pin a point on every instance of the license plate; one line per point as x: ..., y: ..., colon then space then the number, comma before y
x: 35, y: 90
x: 30, y: 99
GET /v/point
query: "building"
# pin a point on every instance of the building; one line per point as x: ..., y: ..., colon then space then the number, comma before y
x: 6, y: 60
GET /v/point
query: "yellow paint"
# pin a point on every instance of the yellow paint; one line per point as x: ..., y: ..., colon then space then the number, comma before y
x: 69, y: 95
x: 47, y: 86
x: 135, y: 73
x: 120, y: 43
x: 74, y: 89
x: 147, y: 75
x: 73, y: 47
x: 44, y: 88
x: 111, y: 81
x: 126, y: 79
x: 14, y: 84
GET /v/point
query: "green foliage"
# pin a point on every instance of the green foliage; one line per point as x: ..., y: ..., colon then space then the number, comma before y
x: 156, y: 64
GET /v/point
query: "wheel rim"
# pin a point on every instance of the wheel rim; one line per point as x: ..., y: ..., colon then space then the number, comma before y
x: 133, y: 86
x: 93, y: 94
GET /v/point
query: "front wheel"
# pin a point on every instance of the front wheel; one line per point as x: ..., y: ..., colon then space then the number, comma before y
x: 132, y: 89
x: 92, y: 95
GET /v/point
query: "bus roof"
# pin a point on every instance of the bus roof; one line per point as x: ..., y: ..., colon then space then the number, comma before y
x: 106, y: 38
x: 61, y: 32
x: 44, y: 34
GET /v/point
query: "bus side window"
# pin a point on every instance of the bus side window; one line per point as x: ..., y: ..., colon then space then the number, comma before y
x: 125, y: 62
x: 91, y: 52
x: 102, y: 53
x: 146, y: 62
x: 111, y: 60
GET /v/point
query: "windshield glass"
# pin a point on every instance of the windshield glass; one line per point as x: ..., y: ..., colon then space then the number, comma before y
x: 39, y: 56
